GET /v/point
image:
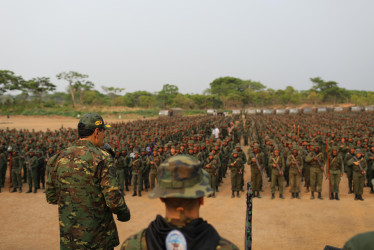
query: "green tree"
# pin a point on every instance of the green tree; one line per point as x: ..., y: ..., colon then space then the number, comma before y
x: 329, y: 90
x: 71, y: 77
x: 82, y: 86
x: 9, y: 81
x: 39, y: 86
x: 167, y: 94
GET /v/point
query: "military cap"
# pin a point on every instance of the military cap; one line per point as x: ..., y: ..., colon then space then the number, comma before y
x: 234, y: 151
x: 237, y: 145
x: 211, y: 154
x: 92, y: 121
x: 136, y: 152
x: 359, y: 151
x: 142, y: 150
x: 181, y: 176
x: 256, y: 146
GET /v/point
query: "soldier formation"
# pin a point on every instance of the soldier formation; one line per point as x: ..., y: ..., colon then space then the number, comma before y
x: 284, y: 150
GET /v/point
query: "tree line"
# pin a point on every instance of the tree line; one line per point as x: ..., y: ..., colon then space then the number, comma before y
x: 223, y: 93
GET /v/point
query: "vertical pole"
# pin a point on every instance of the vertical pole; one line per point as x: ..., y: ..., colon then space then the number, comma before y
x: 328, y: 165
x: 10, y: 171
x: 248, y: 221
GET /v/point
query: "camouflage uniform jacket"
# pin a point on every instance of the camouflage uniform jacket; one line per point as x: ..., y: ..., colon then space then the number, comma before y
x: 83, y: 183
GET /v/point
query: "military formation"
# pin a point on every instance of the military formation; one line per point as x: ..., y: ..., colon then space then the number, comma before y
x: 284, y: 152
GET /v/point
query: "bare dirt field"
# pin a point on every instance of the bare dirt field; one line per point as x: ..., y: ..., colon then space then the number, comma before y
x: 28, y: 222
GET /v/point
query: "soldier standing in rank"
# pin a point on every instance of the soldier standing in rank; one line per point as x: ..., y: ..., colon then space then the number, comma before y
x: 210, y: 166
x: 295, y: 164
x: 336, y: 172
x: 137, y: 174
x: 370, y: 171
x: 256, y: 162
x: 277, y: 172
x: 154, y: 161
x: 16, y: 172
x: 127, y: 168
x: 359, y: 167
x: 32, y: 171
x: 119, y: 163
x: 236, y: 166
x: 146, y: 169
x: 317, y: 161
x: 348, y: 169
x: 41, y: 169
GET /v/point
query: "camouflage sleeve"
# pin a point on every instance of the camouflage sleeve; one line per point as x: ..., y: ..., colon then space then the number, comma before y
x: 50, y: 190
x: 135, y: 242
x: 109, y: 186
x: 226, y: 245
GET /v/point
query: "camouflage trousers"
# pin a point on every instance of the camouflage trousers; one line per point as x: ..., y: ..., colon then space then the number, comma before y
x: 17, y: 178
x: 335, y: 181
x: 235, y: 181
x: 316, y: 176
x: 153, y: 179
x: 137, y: 181
x: 256, y: 179
x: 121, y: 179
x: 213, y: 182
x: 306, y: 173
x: 276, y: 177
x: 358, y: 182
x: 350, y: 177
x: 295, y: 178
x: 32, y: 178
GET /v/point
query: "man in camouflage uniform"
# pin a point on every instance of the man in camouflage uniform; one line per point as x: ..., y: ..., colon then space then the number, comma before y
x: 137, y: 174
x: 32, y: 171
x: 120, y: 164
x: 277, y: 165
x: 359, y: 167
x: 257, y: 163
x: 295, y: 165
x: 3, y: 165
x: 16, y: 165
x: 317, y: 161
x: 370, y: 164
x: 83, y: 183
x: 154, y: 161
x: 236, y: 166
x: 210, y: 166
x: 336, y: 172
x: 182, y: 186
x: 349, y: 169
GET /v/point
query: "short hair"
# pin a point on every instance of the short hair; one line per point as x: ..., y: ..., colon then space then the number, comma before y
x: 174, y: 203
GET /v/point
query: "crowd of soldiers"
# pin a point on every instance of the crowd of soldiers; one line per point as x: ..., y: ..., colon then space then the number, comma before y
x: 283, y: 150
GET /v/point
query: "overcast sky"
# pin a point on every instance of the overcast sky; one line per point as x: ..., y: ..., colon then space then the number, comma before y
x: 144, y: 44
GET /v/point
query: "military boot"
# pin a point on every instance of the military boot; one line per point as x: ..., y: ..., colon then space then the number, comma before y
x: 356, y: 197
x: 332, y: 196
x: 320, y: 196
x: 140, y: 193
x: 307, y: 190
x: 134, y: 194
x: 298, y: 196
x: 30, y: 191
x: 293, y: 196
x: 217, y: 189
x: 281, y: 196
x: 20, y: 190
x: 237, y: 194
x: 233, y: 194
x: 214, y: 195
x: 272, y: 196
x: 360, y: 197
x: 371, y: 189
x: 337, y: 196
x: 35, y: 190
x: 14, y: 190
x: 127, y: 188
x: 258, y: 194
x: 312, y: 196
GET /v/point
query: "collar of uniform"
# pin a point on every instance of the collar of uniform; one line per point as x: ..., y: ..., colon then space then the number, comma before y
x: 86, y: 143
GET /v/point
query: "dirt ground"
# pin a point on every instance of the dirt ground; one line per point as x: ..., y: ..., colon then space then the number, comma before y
x: 28, y: 222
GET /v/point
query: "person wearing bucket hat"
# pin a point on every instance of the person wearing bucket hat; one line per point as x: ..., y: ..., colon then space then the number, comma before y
x: 295, y: 164
x: 182, y: 186
x: 317, y: 164
x: 359, y: 166
x: 82, y: 181
x: 336, y: 172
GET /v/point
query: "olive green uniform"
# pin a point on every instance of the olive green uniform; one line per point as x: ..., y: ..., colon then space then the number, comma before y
x: 275, y: 172
x: 316, y: 170
x: 256, y: 176
x: 336, y: 170
x: 358, y: 176
x: 295, y: 165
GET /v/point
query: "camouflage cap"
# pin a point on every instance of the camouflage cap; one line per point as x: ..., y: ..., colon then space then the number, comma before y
x: 93, y: 121
x: 181, y: 176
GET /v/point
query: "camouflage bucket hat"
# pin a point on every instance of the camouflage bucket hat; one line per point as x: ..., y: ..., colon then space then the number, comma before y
x: 181, y: 177
x: 93, y: 121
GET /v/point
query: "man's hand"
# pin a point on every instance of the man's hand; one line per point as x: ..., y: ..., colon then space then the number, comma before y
x: 123, y: 216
